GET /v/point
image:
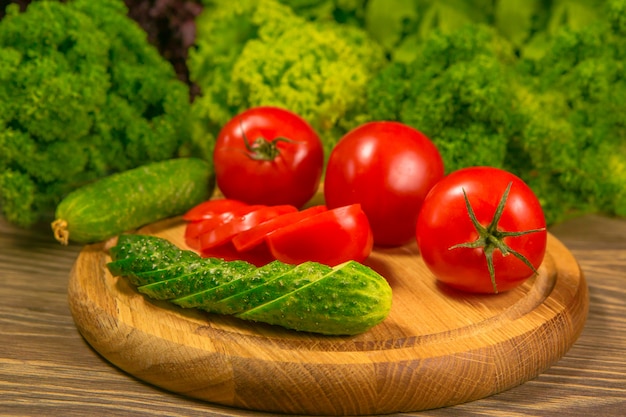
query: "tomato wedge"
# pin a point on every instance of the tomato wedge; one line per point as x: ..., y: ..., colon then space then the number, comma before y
x: 250, y: 238
x: 229, y: 229
x: 197, y: 228
x: 211, y: 208
x: 258, y: 256
x: 331, y: 237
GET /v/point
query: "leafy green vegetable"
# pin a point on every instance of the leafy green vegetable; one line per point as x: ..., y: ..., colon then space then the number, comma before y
x: 259, y: 52
x: 543, y: 101
x: 573, y: 151
x: 536, y: 87
x: 342, y: 11
x: 457, y: 91
x: 516, y: 19
x: 82, y: 95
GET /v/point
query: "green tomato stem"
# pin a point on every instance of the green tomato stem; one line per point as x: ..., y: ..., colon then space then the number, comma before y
x: 262, y: 149
x: 490, y: 238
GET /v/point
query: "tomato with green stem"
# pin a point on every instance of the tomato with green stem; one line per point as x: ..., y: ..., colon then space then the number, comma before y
x: 482, y: 230
x: 270, y: 156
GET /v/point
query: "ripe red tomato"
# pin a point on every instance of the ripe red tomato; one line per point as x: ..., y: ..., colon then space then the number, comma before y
x: 226, y: 231
x: 387, y: 168
x: 255, y: 236
x: 330, y: 237
x: 207, y: 216
x: 509, y: 228
x: 212, y: 208
x: 258, y: 256
x: 269, y: 156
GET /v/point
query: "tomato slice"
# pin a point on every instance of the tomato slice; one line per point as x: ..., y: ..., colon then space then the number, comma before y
x: 250, y: 238
x: 257, y: 256
x: 331, y: 237
x: 197, y: 228
x: 211, y: 208
x: 226, y: 231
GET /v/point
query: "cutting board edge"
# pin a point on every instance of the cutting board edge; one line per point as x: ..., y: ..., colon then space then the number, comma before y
x: 222, y: 392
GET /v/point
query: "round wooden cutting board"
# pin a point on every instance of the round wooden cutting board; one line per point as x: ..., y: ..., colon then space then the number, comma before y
x: 437, y: 348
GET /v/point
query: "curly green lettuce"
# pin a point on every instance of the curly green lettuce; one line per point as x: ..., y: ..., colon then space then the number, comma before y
x: 571, y: 149
x: 259, y: 52
x: 82, y: 95
x: 457, y: 91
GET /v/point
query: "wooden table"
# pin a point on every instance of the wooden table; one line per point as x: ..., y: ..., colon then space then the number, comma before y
x: 46, y: 368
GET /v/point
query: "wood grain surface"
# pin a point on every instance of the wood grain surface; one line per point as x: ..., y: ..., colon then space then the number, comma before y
x: 437, y: 347
x: 48, y: 369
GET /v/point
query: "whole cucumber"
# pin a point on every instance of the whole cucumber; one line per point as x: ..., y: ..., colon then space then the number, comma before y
x: 133, y: 198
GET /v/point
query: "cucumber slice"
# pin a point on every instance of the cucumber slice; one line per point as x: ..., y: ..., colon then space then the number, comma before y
x: 133, y: 266
x: 295, y: 278
x: 132, y: 246
x: 138, y: 254
x: 210, y: 275
x: 349, y: 300
x: 254, y: 279
x: 173, y: 271
x: 129, y: 245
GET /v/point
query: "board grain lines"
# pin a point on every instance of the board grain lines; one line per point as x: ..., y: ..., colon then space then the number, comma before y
x: 437, y: 347
x: 47, y: 368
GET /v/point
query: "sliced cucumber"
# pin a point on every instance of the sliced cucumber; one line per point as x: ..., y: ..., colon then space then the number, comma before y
x: 275, y: 287
x: 240, y: 285
x: 210, y: 276
x: 348, y: 300
x: 345, y: 300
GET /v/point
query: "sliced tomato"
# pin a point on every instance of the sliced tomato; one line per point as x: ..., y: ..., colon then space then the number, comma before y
x: 226, y: 231
x: 257, y: 256
x: 211, y: 208
x: 250, y: 238
x: 195, y: 229
x: 331, y: 237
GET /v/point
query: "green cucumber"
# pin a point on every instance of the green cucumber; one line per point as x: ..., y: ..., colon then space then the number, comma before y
x: 240, y: 285
x: 345, y: 300
x: 183, y: 267
x: 127, y: 200
x: 150, y: 259
x: 284, y: 283
x: 149, y: 268
x: 321, y: 307
x: 129, y: 245
x: 209, y: 276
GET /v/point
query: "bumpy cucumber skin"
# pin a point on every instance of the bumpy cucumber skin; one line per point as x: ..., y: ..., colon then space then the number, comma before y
x: 164, y: 273
x: 127, y: 200
x: 129, y: 245
x: 345, y: 300
x: 202, y: 279
x: 284, y: 283
x: 321, y: 308
x: 151, y: 259
x: 234, y: 278
x: 213, y: 297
